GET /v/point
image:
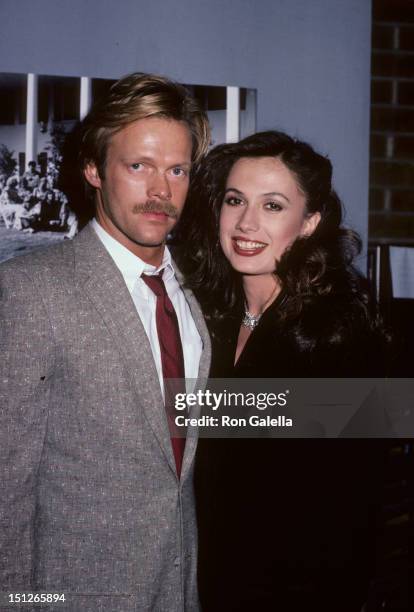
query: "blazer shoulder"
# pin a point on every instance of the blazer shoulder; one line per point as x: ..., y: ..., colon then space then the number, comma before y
x: 40, y: 266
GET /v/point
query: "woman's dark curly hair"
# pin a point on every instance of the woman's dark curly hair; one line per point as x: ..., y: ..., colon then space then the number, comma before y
x: 313, y: 266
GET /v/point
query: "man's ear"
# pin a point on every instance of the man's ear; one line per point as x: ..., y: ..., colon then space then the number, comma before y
x: 91, y: 174
x: 310, y: 224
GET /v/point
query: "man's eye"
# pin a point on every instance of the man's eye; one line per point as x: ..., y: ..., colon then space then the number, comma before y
x: 179, y: 171
x: 136, y: 166
x: 232, y: 201
x: 274, y: 206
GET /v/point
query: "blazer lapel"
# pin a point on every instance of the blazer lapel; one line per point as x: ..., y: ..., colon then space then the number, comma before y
x: 105, y: 287
x: 203, y: 371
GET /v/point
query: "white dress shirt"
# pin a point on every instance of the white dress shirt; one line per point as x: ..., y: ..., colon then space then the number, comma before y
x: 131, y: 268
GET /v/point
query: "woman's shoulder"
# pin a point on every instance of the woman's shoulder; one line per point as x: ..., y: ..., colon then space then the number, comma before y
x: 329, y: 316
x: 336, y: 332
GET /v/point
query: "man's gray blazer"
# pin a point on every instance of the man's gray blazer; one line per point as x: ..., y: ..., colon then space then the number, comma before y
x: 91, y: 503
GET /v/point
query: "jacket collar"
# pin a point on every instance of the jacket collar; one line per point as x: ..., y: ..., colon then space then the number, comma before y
x: 102, y: 281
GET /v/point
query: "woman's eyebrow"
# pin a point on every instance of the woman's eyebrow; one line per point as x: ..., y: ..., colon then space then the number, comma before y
x: 235, y: 190
x: 277, y: 193
x: 266, y: 195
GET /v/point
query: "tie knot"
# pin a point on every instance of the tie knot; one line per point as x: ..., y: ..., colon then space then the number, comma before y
x: 155, y: 283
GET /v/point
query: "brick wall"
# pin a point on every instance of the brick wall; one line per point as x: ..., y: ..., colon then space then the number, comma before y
x: 391, y: 216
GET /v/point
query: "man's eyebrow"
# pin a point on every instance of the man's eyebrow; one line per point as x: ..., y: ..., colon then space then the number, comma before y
x: 146, y: 158
x: 130, y: 159
x: 184, y: 163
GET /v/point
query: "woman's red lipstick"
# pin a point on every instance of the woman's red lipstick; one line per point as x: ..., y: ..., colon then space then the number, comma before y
x: 241, y: 246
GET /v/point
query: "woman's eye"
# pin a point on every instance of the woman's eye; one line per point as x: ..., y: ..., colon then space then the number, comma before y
x: 274, y: 206
x: 232, y: 201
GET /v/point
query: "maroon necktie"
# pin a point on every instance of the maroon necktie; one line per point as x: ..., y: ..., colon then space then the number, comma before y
x: 172, y: 359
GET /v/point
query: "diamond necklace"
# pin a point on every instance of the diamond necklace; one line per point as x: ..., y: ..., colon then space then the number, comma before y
x: 249, y: 320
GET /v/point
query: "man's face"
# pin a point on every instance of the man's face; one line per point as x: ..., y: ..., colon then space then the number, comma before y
x: 142, y: 193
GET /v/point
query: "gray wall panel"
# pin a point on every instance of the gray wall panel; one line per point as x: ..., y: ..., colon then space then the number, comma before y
x: 309, y: 60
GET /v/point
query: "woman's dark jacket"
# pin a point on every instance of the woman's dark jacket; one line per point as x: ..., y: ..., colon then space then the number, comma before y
x: 289, y: 524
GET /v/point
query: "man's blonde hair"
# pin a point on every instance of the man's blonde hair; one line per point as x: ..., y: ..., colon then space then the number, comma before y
x: 139, y: 96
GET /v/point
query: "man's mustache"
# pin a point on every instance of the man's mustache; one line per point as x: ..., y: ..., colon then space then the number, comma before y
x: 165, y: 208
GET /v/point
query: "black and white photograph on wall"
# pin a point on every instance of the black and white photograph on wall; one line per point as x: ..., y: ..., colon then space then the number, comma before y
x: 34, y: 206
x: 42, y: 199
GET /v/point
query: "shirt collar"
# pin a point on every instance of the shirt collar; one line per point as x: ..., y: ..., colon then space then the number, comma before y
x: 131, y: 266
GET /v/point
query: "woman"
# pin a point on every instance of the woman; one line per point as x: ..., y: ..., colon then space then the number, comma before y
x: 284, y: 524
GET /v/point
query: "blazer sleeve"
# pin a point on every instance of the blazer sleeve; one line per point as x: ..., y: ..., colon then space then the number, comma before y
x: 26, y: 359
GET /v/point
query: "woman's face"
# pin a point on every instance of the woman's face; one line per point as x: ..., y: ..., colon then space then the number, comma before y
x: 263, y: 212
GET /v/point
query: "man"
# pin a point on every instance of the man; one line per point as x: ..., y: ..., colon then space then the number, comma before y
x: 31, y: 178
x: 11, y: 200
x: 97, y: 491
